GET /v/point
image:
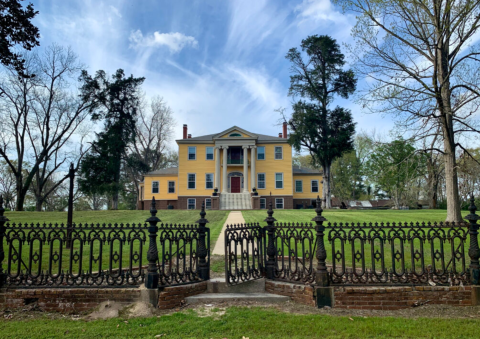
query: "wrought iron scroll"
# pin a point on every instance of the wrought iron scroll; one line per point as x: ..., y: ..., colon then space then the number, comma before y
x: 244, y: 252
x: 398, y: 253
x: 100, y: 254
x: 184, y: 252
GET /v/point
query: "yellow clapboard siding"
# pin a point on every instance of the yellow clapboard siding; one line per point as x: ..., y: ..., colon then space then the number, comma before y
x: 307, y: 189
x: 163, y: 188
x: 270, y: 166
x: 200, y: 167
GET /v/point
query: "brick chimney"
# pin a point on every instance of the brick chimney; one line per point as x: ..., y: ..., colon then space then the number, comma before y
x: 280, y: 135
x: 185, y: 131
x: 189, y: 136
x: 284, y: 130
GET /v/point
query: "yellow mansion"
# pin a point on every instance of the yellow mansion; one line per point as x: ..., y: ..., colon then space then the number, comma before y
x: 233, y: 169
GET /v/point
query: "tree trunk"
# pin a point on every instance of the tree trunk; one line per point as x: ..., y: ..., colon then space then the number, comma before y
x: 451, y: 183
x: 326, y: 189
x: 38, y: 203
x: 20, y: 194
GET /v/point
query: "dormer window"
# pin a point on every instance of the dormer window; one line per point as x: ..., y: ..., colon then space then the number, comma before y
x: 235, y: 135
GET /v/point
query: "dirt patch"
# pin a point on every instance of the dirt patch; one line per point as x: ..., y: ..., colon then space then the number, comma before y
x: 105, y: 310
x: 138, y: 309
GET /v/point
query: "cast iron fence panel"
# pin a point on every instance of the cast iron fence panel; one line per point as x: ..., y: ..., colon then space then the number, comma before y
x: 295, y: 252
x: 179, y: 253
x: 244, y: 253
x: 398, y: 253
x: 36, y: 254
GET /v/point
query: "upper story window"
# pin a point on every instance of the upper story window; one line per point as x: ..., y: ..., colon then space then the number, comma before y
x: 155, y: 187
x: 279, y: 180
x: 235, y: 135
x: 192, y: 181
x: 278, y: 152
x: 192, y: 153
x: 298, y: 186
x: 209, y: 153
x: 261, y: 153
x: 314, y: 186
x: 209, y: 180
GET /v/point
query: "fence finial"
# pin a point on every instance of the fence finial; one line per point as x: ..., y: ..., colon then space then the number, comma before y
x: 153, y: 208
x: 202, y: 219
x: 270, y: 217
x: 472, y: 217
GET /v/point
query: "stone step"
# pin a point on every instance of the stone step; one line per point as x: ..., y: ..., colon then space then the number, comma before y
x: 208, y: 298
x: 218, y: 285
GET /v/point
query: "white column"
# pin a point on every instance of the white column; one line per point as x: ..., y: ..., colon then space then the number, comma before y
x: 252, y: 167
x: 217, y: 167
x: 245, y: 169
x: 224, y: 186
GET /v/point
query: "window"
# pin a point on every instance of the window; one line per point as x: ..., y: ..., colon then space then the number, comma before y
x: 278, y: 180
x: 208, y: 204
x: 191, y: 204
x: 298, y: 186
x: 314, y: 186
x: 191, y: 181
x: 278, y: 152
x: 171, y: 187
x: 155, y: 186
x: 261, y: 153
x: 263, y: 203
x: 261, y: 181
x: 209, y: 180
x: 235, y: 135
x: 279, y: 203
x: 192, y: 153
x: 209, y: 153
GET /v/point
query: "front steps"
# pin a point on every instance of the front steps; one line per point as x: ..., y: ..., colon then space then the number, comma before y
x: 235, y: 201
x: 219, y: 291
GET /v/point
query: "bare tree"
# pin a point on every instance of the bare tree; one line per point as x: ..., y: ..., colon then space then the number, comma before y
x: 7, y: 185
x: 41, y: 113
x: 423, y: 68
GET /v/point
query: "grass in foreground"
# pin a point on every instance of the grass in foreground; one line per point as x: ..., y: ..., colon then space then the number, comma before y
x: 240, y: 322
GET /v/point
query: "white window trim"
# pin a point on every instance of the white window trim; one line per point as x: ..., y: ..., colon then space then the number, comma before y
x: 265, y: 181
x: 275, y: 153
x: 296, y: 186
x: 311, y: 186
x: 195, y: 174
x: 264, y: 153
x: 213, y: 181
x: 158, y: 182
x: 283, y: 204
x: 213, y: 153
x: 174, y: 187
x: 210, y: 203
x: 283, y: 183
x: 194, y: 204
x: 188, y: 152
x: 261, y: 203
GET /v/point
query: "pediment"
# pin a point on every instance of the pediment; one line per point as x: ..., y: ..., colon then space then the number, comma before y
x: 235, y: 133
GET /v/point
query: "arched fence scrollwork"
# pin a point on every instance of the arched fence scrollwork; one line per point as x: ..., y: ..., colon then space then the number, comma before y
x: 103, y: 255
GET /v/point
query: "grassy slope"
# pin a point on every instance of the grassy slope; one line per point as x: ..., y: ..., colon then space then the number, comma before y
x: 244, y: 322
x: 349, y: 215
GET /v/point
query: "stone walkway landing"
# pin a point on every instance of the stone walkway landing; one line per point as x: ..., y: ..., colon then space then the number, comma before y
x: 235, y: 217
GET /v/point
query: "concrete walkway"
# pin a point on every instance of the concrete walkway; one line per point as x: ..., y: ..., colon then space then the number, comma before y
x: 235, y: 217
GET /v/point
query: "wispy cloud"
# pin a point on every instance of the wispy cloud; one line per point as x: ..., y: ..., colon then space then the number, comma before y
x: 174, y: 41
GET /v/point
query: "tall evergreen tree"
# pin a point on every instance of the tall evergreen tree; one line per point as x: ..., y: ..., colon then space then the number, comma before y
x: 117, y: 103
x: 326, y: 133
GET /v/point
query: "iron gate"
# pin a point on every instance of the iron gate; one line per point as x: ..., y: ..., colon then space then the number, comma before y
x: 244, y: 253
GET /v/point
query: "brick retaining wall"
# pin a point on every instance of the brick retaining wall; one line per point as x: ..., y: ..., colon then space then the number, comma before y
x: 174, y: 296
x: 302, y: 294
x: 71, y: 300
x: 393, y: 298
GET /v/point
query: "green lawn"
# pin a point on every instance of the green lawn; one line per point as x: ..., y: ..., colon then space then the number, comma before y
x: 239, y: 322
x: 216, y: 221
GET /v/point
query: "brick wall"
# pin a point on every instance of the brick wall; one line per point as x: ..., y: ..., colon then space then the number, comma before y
x: 159, y: 204
x: 302, y: 294
x: 174, y: 296
x: 72, y: 300
x: 392, y: 298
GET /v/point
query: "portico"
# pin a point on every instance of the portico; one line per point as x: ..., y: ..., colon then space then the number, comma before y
x: 226, y: 155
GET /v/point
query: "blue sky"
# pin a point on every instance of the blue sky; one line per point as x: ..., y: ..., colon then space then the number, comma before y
x: 217, y: 63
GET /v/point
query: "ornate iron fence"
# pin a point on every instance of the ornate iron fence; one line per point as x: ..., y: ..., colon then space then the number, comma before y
x: 244, y: 253
x: 63, y: 255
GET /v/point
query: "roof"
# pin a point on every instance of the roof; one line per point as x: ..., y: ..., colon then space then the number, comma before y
x: 164, y: 171
x: 305, y: 170
x: 210, y: 138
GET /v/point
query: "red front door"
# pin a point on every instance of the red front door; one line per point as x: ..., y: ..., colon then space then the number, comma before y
x: 235, y: 184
